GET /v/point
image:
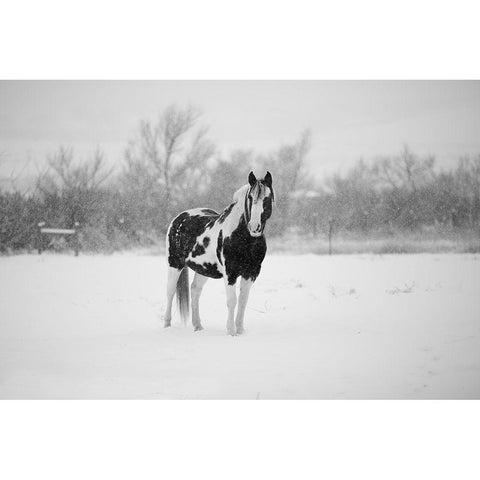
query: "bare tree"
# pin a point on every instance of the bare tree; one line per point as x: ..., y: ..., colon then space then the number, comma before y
x: 15, y: 177
x: 225, y: 177
x: 63, y: 172
x: 467, y: 179
x: 71, y: 191
x: 289, y: 171
x: 405, y: 171
x: 172, y: 151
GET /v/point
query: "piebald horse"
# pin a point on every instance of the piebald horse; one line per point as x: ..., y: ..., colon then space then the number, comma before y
x: 230, y: 245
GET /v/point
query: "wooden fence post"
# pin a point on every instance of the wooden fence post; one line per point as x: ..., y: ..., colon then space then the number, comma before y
x: 76, y: 238
x: 73, y: 232
x: 39, y: 237
x: 330, y: 233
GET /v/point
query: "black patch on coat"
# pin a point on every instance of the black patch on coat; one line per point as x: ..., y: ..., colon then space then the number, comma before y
x: 198, y: 250
x: 183, y: 233
x: 219, y: 246
x: 243, y: 254
x: 267, y: 211
x: 206, y: 269
x: 225, y: 213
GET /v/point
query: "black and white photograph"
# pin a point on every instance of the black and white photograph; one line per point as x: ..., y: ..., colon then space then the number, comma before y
x: 240, y: 239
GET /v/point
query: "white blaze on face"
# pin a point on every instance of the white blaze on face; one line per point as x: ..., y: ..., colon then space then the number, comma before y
x: 255, y: 223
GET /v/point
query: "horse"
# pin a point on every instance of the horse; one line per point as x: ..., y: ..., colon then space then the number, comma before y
x: 230, y: 245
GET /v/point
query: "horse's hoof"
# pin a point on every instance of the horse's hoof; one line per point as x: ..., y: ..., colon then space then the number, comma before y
x: 167, y: 325
x: 232, y: 334
x: 197, y: 328
x: 240, y: 331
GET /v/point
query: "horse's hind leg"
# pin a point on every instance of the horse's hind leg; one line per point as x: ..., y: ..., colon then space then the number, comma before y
x: 173, y: 275
x: 197, y: 286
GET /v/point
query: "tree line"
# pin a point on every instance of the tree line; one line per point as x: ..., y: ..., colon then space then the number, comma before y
x: 171, y: 164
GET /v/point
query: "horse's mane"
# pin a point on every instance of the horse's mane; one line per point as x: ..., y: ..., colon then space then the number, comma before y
x: 240, y: 194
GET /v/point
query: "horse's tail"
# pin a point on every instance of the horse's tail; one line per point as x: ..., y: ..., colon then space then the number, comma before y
x: 183, y: 295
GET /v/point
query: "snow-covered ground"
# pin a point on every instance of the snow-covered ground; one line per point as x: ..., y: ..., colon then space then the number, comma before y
x: 365, y: 326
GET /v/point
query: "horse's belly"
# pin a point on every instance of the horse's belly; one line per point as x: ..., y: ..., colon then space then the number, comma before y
x: 205, y: 267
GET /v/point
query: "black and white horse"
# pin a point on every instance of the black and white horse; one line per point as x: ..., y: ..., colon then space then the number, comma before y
x: 229, y: 245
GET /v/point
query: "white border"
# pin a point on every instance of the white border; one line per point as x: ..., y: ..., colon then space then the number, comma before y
x: 218, y: 39
x: 239, y: 40
x: 239, y: 439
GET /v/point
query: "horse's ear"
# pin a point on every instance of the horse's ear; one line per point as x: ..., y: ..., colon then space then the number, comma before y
x: 268, y: 183
x: 252, y: 180
x: 268, y: 180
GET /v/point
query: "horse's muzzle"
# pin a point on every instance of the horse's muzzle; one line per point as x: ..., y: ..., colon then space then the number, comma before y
x: 256, y: 231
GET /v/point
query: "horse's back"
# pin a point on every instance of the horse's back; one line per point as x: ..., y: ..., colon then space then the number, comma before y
x: 183, y: 232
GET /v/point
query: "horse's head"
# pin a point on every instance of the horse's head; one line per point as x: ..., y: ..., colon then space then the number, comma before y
x: 259, y: 199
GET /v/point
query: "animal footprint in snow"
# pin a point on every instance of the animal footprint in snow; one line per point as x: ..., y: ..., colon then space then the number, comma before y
x: 405, y: 289
x: 341, y: 291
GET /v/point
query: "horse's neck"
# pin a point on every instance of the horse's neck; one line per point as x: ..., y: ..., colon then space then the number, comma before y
x: 238, y: 209
x: 235, y: 218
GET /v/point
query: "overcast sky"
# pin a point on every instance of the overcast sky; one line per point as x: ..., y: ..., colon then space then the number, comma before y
x: 348, y: 119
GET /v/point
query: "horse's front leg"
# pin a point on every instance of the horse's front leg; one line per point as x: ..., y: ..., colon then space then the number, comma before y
x: 231, y: 303
x: 245, y: 286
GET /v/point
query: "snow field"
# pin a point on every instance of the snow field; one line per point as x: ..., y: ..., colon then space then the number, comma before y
x: 317, y: 327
